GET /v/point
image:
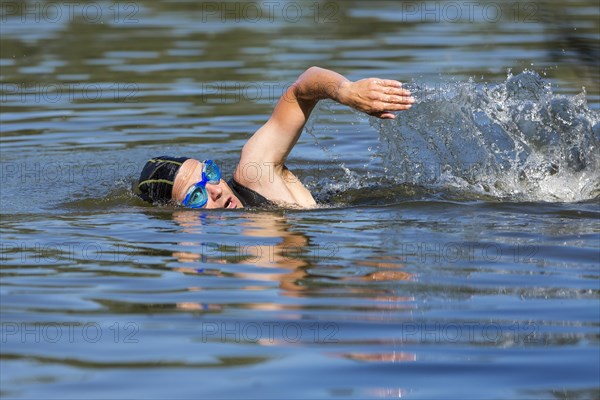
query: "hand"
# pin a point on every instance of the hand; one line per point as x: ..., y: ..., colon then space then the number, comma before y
x: 377, y: 97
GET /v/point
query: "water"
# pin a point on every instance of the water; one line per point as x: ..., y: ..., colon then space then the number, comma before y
x: 516, y: 141
x: 455, y: 253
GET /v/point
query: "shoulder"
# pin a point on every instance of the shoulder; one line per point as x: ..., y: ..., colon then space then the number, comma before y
x: 276, y: 183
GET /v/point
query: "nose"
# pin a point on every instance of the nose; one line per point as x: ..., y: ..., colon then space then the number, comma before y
x: 215, y: 191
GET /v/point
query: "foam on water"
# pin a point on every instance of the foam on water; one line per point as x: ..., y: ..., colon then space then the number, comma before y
x: 516, y: 141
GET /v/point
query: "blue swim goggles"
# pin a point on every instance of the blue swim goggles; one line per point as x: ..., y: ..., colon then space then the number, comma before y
x: 197, y: 196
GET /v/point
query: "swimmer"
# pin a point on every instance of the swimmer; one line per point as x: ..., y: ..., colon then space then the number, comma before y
x: 198, y: 184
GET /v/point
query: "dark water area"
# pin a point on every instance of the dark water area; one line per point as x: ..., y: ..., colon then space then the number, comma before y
x: 455, y: 251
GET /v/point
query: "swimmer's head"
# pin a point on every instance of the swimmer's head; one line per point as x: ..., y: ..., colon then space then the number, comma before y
x: 158, y: 177
x: 169, y: 179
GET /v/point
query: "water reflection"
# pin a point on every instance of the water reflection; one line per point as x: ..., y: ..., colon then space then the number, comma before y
x: 282, y: 252
x: 279, y: 252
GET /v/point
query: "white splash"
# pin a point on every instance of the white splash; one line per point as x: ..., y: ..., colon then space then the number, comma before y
x: 515, y: 140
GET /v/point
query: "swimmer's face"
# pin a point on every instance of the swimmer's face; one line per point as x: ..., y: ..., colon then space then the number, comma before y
x: 219, y: 195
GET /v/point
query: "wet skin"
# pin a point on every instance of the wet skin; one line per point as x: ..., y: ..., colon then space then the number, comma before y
x: 219, y: 195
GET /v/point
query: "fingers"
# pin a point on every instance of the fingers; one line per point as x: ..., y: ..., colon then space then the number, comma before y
x: 384, y: 115
x: 392, y: 87
x: 393, y: 103
x: 397, y: 92
x: 387, y: 115
x: 401, y: 99
x: 390, y: 83
x: 394, y: 93
x: 384, y: 110
x: 396, y: 107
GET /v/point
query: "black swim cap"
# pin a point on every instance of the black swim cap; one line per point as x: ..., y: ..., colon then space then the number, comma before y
x: 157, y: 178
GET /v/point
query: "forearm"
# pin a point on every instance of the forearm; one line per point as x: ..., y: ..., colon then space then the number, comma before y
x: 378, y: 97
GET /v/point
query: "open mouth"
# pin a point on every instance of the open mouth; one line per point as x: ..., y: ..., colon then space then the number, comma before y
x: 230, y: 203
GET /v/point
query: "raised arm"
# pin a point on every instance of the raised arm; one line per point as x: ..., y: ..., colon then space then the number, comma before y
x: 269, y: 147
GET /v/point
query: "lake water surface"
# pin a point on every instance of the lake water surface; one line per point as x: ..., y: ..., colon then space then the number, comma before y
x: 455, y: 253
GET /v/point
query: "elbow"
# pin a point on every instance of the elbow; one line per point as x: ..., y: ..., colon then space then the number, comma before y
x: 311, y: 71
x: 305, y: 86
